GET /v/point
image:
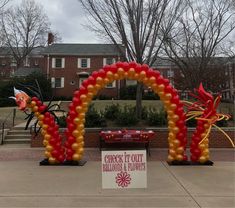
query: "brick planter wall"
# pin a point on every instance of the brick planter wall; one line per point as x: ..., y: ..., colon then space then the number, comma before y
x: 217, y: 139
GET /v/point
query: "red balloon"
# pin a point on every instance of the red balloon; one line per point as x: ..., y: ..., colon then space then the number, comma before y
x: 180, y: 136
x: 91, y: 79
x: 69, y: 157
x: 193, y: 158
x: 132, y: 64
x: 101, y: 73
x: 196, y: 139
x: 126, y: 66
x: 69, y: 152
x: 185, y: 157
x: 175, y: 99
x: 61, y: 158
x: 166, y: 82
x: 160, y: 80
x: 145, y: 67
x: 180, y: 123
x: 138, y: 68
x: 76, y: 101
x: 71, y: 140
x: 119, y: 64
x: 71, y: 126
x: 34, y: 99
x: 55, y: 153
x: 113, y: 68
x: 52, y: 141
x: 168, y: 89
x: 197, y: 152
x: 94, y: 75
x: 83, y: 89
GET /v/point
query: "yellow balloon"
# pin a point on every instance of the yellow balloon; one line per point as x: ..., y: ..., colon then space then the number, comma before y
x: 80, y: 144
x: 81, y: 115
x: 202, y: 146
x: 35, y: 109
x: 142, y: 75
x: 202, y: 159
x: 77, y: 120
x: 136, y: 76
x: 176, y: 142
x: 80, y: 127
x: 45, y: 142
x: 83, y: 98
x: 131, y: 72
x: 43, y: 132
x: 90, y: 95
x: 206, y: 125
x: 44, y: 126
x: 172, y: 152
x: 49, y: 148
x: 171, y: 124
x: 52, y: 160
x: 116, y: 76
x: 203, y: 135
x: 180, y: 150
x: 161, y: 87
x: 32, y: 104
x: 79, y: 139
x: 99, y: 80
x: 37, y: 114
x: 40, y: 123
x: 98, y: 86
x: 47, y: 136
x: 76, y: 133
x: 170, y: 158
x: 120, y: 71
x: 161, y: 94
x: 175, y: 117
x: 173, y: 106
x: 41, y: 117
x: 168, y: 96
x: 109, y: 75
x: 179, y: 157
x: 75, y: 146
x: 80, y: 150
x: 152, y: 80
x: 205, y: 152
x: 170, y: 113
x: 171, y: 145
x: 76, y: 157
x: 172, y: 135
x: 47, y: 154
x: 175, y: 130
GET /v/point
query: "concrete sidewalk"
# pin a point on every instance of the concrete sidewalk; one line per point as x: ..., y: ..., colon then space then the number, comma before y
x: 24, y: 183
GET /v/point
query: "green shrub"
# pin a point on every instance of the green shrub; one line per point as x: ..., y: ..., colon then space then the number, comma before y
x: 127, y: 116
x: 111, y: 111
x: 156, y: 118
x: 94, y: 118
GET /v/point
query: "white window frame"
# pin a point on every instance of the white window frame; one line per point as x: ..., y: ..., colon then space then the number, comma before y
x: 53, y: 82
x: 105, y: 61
x: 88, y: 63
x: 111, y: 85
x: 54, y: 63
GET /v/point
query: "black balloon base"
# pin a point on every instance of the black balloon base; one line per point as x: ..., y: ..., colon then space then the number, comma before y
x: 182, y: 163
x: 45, y: 162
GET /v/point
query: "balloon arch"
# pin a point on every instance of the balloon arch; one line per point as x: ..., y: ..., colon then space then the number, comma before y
x: 71, y: 152
x: 142, y: 73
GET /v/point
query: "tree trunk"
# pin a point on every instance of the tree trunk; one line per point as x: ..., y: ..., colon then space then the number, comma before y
x: 139, y: 100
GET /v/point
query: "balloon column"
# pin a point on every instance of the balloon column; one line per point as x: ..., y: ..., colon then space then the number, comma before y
x: 73, y: 148
x: 204, y: 110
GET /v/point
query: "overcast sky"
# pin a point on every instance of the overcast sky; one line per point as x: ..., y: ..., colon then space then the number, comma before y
x: 67, y: 18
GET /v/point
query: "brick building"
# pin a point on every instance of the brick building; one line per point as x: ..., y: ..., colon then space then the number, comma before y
x: 67, y: 65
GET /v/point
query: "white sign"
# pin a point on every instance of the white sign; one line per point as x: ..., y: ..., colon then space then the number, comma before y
x: 124, y: 169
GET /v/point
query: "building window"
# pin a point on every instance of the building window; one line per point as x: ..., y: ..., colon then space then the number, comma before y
x: 58, y: 62
x: 130, y: 82
x: 108, y: 61
x: 57, y: 82
x: 84, y: 63
x: 111, y: 85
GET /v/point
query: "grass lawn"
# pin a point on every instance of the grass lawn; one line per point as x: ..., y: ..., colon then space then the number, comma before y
x: 100, y: 105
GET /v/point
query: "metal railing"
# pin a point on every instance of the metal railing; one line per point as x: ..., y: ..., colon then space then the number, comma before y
x: 12, y: 116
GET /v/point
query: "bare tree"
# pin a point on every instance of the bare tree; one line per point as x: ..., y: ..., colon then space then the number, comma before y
x: 197, y: 38
x: 136, y: 25
x: 25, y: 27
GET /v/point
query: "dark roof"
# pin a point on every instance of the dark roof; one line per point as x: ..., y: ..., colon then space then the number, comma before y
x: 6, y: 51
x: 82, y: 49
x: 25, y: 71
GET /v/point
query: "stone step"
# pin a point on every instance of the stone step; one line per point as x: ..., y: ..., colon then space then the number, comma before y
x: 18, y: 132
